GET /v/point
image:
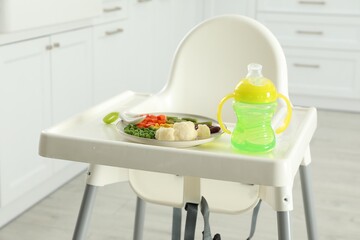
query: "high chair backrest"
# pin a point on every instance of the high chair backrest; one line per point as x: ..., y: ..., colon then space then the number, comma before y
x: 212, y: 59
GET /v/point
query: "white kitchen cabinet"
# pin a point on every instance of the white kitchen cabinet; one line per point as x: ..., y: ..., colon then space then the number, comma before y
x: 321, y: 41
x: 320, y: 38
x: 314, y: 31
x: 71, y: 73
x: 332, y: 7
x: 219, y: 7
x: 157, y: 27
x: 163, y: 43
x: 186, y: 15
x: 18, y: 15
x: 123, y: 49
x: 111, y: 59
x: 25, y: 105
x: 112, y: 10
x: 173, y: 19
x: 112, y: 52
x: 323, y: 73
x: 43, y: 81
x: 135, y: 50
x: 141, y: 27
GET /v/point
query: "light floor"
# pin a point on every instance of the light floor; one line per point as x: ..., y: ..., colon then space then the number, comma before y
x: 336, y: 167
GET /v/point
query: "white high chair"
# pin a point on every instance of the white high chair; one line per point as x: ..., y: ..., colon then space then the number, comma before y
x: 208, y: 64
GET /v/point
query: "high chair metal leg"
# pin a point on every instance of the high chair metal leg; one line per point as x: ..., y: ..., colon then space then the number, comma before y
x: 139, y: 219
x: 305, y: 177
x: 176, y: 224
x: 84, y: 216
x: 283, y: 222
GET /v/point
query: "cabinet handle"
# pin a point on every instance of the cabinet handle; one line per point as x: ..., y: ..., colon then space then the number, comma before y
x: 312, y: 2
x: 303, y: 65
x: 56, y: 45
x: 49, y: 47
x: 142, y: 1
x: 109, y: 33
x: 309, y: 32
x: 114, y: 9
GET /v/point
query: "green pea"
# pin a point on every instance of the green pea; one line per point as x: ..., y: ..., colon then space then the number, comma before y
x: 134, y: 130
x: 194, y: 120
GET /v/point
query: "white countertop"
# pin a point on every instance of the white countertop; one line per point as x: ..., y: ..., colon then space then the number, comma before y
x: 19, y: 15
x: 6, y: 38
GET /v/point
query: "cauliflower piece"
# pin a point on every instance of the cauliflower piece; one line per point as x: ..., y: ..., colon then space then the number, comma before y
x: 184, y: 131
x: 165, y: 134
x: 203, y: 131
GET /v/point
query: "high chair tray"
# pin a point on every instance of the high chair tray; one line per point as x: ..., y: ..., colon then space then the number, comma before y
x: 85, y: 138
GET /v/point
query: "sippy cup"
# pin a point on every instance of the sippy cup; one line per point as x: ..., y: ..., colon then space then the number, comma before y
x: 255, y: 102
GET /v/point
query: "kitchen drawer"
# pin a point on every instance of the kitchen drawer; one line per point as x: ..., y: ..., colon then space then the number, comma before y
x: 340, y: 7
x: 324, y: 73
x: 112, y: 11
x: 109, y: 30
x: 314, y: 31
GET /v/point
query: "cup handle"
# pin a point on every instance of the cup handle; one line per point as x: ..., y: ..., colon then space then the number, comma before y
x: 219, y: 117
x: 288, y: 115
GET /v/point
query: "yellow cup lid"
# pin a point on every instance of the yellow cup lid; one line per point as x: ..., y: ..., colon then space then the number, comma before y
x: 255, y: 88
x: 263, y: 91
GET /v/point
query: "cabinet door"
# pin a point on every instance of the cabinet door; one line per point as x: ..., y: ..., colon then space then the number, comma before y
x: 219, y: 7
x: 111, y: 57
x: 163, y: 43
x: 71, y: 73
x: 156, y: 28
x: 173, y: 19
x: 25, y: 111
x: 141, y: 32
x: 186, y: 14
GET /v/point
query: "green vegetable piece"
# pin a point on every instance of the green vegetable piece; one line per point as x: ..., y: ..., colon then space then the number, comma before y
x: 189, y: 119
x: 171, y: 117
x: 171, y: 120
x: 111, y: 117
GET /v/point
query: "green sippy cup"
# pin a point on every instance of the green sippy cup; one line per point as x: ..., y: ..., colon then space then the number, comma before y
x: 255, y: 102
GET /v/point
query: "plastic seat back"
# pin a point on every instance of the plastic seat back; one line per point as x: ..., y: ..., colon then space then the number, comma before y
x: 212, y: 59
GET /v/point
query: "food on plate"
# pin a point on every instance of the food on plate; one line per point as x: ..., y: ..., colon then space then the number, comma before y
x: 169, y: 128
x: 165, y: 134
x: 214, y: 129
x: 171, y: 119
x: 140, y: 132
x: 194, y: 120
x: 203, y: 131
x: 209, y: 124
x: 152, y: 120
x: 184, y: 131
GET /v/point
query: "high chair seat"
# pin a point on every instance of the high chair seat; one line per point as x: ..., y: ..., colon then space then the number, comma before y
x: 170, y: 190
